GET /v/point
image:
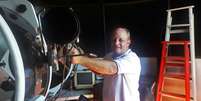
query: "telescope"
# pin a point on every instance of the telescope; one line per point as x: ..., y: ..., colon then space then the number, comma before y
x: 32, y: 40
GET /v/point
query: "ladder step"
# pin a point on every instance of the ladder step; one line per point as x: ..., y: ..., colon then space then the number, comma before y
x: 176, y: 42
x: 178, y: 63
x: 170, y: 98
x: 175, y: 61
x: 180, y: 25
x: 177, y: 96
x: 178, y: 31
x: 181, y: 8
x: 175, y: 76
x: 170, y: 64
x: 175, y: 58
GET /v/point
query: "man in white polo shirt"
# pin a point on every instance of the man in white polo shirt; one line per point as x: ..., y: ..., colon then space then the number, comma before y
x: 121, y: 68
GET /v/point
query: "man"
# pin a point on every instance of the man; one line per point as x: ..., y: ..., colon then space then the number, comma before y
x: 121, y: 72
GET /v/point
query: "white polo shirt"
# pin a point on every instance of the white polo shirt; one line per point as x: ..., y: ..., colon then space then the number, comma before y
x: 123, y: 86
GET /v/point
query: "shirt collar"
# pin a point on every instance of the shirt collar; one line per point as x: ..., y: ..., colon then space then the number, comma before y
x: 115, y: 56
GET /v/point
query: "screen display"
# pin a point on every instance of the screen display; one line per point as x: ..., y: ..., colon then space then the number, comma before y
x: 84, y: 78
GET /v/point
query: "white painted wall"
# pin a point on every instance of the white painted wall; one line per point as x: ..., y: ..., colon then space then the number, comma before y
x: 198, y: 77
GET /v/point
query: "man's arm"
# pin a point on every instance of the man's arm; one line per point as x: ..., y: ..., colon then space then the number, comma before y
x: 101, y: 66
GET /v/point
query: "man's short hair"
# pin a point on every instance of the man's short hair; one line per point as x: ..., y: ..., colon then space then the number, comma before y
x: 121, y: 26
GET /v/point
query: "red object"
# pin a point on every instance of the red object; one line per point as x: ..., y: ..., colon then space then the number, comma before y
x: 174, y: 61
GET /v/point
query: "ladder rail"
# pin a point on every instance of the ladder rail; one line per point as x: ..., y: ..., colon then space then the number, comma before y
x: 169, y: 22
x: 187, y: 71
x: 181, y: 8
x: 161, y: 72
x: 192, y: 53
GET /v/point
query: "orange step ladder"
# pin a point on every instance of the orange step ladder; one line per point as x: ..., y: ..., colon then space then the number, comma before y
x: 177, y: 65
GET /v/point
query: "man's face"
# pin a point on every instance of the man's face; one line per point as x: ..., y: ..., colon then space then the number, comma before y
x: 120, y: 41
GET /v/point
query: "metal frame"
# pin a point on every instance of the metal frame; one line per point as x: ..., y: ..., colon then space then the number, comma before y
x: 16, y: 58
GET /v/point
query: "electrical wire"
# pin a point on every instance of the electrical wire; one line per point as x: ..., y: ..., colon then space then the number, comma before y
x: 73, y: 44
x: 72, y: 66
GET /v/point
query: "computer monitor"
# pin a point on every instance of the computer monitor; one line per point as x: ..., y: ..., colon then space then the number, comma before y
x: 84, y: 79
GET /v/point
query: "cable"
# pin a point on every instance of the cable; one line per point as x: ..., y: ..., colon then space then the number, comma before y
x: 72, y: 66
x: 73, y: 44
x: 77, y: 33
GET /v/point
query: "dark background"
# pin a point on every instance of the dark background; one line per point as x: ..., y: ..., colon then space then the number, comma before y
x: 146, y: 20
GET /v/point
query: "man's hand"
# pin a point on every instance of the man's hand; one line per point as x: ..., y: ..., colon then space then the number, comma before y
x: 74, y: 59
